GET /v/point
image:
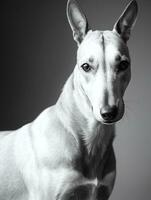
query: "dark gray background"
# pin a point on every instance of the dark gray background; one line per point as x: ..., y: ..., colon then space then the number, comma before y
x: 38, y: 54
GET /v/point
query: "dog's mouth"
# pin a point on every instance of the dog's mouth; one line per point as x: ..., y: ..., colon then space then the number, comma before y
x: 110, y: 122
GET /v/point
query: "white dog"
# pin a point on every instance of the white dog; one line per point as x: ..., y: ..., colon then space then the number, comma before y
x: 66, y: 153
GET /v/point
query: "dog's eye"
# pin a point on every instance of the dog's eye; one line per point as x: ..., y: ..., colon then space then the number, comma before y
x: 86, y: 67
x: 124, y: 64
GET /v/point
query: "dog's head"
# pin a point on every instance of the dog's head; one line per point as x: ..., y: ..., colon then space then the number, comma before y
x: 103, y: 61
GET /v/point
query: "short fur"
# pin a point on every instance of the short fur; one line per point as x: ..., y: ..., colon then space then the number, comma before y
x: 66, y: 152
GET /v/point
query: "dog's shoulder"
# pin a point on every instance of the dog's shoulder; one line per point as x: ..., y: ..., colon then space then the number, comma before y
x: 51, y: 140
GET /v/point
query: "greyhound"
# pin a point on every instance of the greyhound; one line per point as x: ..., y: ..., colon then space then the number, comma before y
x: 67, y: 153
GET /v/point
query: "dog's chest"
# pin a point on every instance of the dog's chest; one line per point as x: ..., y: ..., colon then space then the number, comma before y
x: 92, y: 156
x: 85, y: 183
x: 78, y: 175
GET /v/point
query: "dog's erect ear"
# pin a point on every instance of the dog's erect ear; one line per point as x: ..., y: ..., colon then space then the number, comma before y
x: 126, y: 21
x: 77, y: 21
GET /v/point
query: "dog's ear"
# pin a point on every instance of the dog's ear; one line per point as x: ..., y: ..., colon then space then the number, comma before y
x: 77, y: 21
x: 126, y: 21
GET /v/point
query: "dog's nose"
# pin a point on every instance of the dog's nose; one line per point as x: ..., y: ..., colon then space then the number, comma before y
x: 109, y: 113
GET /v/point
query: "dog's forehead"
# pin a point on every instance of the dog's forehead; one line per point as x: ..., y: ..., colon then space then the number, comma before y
x: 98, y: 43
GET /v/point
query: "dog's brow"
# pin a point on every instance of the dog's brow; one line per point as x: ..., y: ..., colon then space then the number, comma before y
x: 103, y: 46
x: 91, y: 59
x: 103, y: 42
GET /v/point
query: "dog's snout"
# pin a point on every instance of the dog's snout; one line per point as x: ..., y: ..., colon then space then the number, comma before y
x: 109, y: 113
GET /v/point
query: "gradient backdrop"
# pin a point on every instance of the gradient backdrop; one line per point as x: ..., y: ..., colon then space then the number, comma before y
x: 38, y: 54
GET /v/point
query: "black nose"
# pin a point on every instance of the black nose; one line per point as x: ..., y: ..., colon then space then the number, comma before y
x: 109, y: 113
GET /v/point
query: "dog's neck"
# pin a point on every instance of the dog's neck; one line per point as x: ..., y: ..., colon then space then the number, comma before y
x: 85, y: 128
x: 93, y: 138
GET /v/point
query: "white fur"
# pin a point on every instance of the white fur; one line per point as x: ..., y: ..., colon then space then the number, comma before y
x: 39, y: 161
x: 36, y: 160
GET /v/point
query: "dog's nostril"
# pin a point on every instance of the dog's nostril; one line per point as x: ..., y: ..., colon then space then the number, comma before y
x: 109, y: 113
